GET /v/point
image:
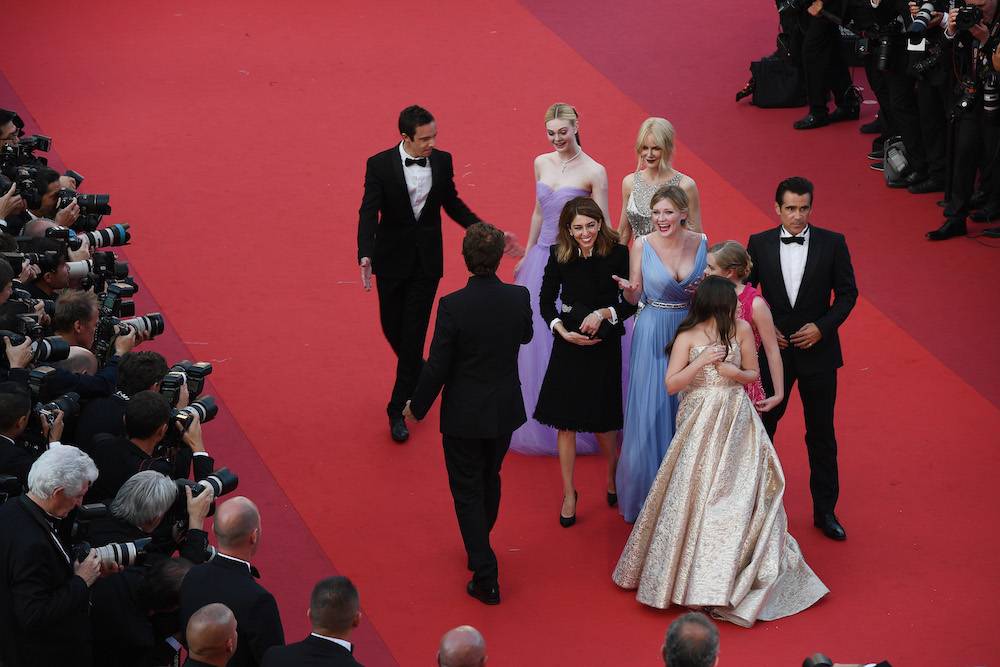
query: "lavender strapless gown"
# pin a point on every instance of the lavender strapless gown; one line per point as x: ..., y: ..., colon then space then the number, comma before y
x: 533, y: 359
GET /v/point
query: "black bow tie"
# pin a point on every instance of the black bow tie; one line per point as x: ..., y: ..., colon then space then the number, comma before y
x: 793, y: 239
x: 422, y: 161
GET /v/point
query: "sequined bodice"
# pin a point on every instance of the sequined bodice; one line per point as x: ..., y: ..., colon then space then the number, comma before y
x: 708, y: 376
x: 638, y: 210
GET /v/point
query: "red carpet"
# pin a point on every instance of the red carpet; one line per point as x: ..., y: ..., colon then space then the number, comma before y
x: 233, y: 136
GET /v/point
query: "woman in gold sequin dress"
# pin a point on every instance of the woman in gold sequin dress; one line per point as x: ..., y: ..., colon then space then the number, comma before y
x: 713, y: 532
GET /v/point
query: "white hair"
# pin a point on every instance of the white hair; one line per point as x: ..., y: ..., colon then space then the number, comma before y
x: 144, y: 496
x: 62, y: 466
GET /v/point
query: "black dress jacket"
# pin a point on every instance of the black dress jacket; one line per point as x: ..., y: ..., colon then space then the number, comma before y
x: 118, y: 458
x: 232, y: 583
x: 310, y: 652
x: 473, y: 355
x: 43, y: 604
x: 826, y: 295
x: 15, y: 460
x: 583, y: 285
x: 397, y: 243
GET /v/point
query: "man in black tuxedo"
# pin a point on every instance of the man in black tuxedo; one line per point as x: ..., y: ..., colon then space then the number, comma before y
x: 473, y: 355
x: 399, y: 240
x: 44, y: 590
x: 229, y: 578
x: 799, y: 268
x: 334, y: 612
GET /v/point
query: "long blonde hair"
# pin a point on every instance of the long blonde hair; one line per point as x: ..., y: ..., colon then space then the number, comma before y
x: 663, y: 135
x: 563, y: 111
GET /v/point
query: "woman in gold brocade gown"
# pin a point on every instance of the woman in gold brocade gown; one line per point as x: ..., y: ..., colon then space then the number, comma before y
x: 713, y: 532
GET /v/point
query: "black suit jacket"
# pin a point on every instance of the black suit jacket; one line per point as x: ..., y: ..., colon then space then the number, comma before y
x: 398, y: 244
x: 473, y: 355
x: 826, y: 295
x: 310, y: 652
x: 16, y: 460
x: 229, y: 582
x: 43, y: 605
x: 117, y: 459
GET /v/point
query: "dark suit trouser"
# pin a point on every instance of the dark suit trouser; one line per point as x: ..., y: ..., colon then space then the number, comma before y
x: 906, y: 116
x: 474, y: 477
x: 975, y: 140
x: 404, y: 306
x: 818, y: 392
x: 825, y: 68
x: 932, y: 101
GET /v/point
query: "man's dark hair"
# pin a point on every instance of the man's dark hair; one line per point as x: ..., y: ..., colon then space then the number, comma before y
x: 45, y: 176
x: 692, y: 641
x: 138, y: 371
x: 8, y: 116
x: 144, y: 413
x: 72, y: 306
x: 160, y: 588
x: 413, y: 117
x: 6, y: 273
x: 334, y: 604
x: 796, y: 185
x: 15, y: 402
x: 482, y: 248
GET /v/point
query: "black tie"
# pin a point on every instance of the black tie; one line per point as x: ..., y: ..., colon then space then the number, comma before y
x: 422, y: 161
x: 793, y: 239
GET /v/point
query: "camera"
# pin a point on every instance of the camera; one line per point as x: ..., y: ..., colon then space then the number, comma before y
x: 53, y: 348
x: 170, y: 386
x: 883, y: 52
x: 95, y: 272
x: 122, y: 554
x: 222, y: 482
x: 36, y: 142
x: 66, y: 235
x: 921, y: 21
x: 150, y: 325
x: 195, y: 374
x: 28, y: 302
x: 203, y: 409
x: 21, y: 175
x: 46, y: 261
x: 89, y: 204
x: 967, y: 17
x: 114, y: 235
x: 991, y: 97
x: 68, y: 403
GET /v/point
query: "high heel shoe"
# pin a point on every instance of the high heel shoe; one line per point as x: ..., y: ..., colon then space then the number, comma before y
x: 612, y: 498
x: 567, y: 521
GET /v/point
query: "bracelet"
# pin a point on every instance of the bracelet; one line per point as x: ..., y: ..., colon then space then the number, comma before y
x: 598, y: 313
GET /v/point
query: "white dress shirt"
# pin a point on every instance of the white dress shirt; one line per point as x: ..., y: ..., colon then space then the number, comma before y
x: 793, y: 263
x: 418, y: 181
x: 336, y: 640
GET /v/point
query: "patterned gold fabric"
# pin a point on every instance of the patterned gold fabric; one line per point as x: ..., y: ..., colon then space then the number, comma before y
x: 713, y: 532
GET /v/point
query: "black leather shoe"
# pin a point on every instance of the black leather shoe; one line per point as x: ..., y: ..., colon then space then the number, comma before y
x: 985, y: 215
x: 951, y: 228
x: 877, y: 166
x: 567, y: 521
x: 612, y: 498
x: 485, y: 595
x: 811, y: 122
x: 849, y: 108
x: 926, y: 187
x: 830, y: 526
x: 398, y: 430
x: 910, y: 179
x: 876, y: 155
x: 874, y: 127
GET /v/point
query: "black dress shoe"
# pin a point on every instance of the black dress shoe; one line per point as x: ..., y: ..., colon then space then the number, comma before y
x: 485, y: 595
x: 567, y: 521
x: 877, y: 166
x: 398, y: 430
x: 876, y: 155
x: 927, y: 186
x: 874, y: 127
x: 951, y: 228
x: 811, y: 122
x: 846, y: 112
x: 912, y: 178
x: 612, y: 498
x: 830, y: 526
x: 985, y: 215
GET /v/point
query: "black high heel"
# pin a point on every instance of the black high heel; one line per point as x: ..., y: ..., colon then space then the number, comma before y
x: 567, y: 521
x: 612, y: 498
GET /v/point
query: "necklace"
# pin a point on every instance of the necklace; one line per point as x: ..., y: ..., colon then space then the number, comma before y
x: 566, y: 162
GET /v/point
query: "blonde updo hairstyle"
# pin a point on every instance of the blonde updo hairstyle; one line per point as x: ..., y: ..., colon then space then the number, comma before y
x: 563, y: 111
x: 731, y: 256
x: 663, y: 134
x: 676, y: 195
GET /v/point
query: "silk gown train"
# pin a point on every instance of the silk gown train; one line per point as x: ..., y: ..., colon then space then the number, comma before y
x: 713, y: 531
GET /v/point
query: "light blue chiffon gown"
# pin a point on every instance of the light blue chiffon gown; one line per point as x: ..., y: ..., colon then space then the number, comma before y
x: 649, y: 411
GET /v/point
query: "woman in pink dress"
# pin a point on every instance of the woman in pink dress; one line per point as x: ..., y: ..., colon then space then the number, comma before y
x: 731, y: 261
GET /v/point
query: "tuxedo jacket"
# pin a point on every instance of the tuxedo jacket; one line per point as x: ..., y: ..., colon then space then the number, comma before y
x: 43, y: 606
x: 826, y: 295
x: 117, y: 459
x: 399, y: 244
x: 473, y: 356
x: 231, y: 583
x: 310, y: 652
x: 15, y: 460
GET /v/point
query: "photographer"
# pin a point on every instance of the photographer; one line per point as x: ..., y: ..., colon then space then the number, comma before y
x: 148, y: 416
x: 49, y: 183
x: 137, y: 371
x: 76, y: 316
x: 44, y: 590
x: 134, y: 613
x: 12, y: 206
x: 973, y: 29
x: 138, y: 510
x: 16, y: 455
x: 53, y: 272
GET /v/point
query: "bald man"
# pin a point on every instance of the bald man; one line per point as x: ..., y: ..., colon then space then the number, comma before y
x: 212, y: 637
x: 230, y: 578
x: 463, y: 646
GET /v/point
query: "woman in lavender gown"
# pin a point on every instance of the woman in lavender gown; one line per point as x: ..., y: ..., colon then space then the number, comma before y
x: 560, y: 175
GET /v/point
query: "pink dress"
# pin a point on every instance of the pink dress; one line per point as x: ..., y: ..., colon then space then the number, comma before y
x: 744, y: 310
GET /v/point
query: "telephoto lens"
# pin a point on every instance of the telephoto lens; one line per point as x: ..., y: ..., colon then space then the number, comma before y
x: 119, y: 553
x: 204, y: 408
x: 53, y: 348
x: 222, y: 481
x: 150, y: 325
x: 80, y: 268
x: 113, y: 235
x: 920, y: 21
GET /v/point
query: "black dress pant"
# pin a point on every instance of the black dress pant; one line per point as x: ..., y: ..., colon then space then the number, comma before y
x: 880, y: 86
x: 818, y: 392
x: 404, y: 306
x: 906, y: 116
x: 975, y: 142
x: 474, y: 477
x: 824, y: 66
x: 932, y: 101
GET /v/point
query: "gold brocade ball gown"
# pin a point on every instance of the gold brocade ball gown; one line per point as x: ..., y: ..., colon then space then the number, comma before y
x: 713, y: 532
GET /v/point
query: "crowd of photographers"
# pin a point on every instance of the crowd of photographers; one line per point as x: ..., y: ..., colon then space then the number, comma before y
x: 933, y: 67
x: 105, y: 480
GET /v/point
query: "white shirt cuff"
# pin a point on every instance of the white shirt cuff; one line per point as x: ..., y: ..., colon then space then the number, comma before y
x: 200, y: 454
x: 614, y: 315
x: 553, y: 323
